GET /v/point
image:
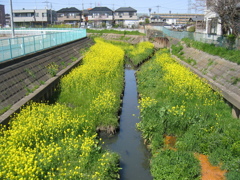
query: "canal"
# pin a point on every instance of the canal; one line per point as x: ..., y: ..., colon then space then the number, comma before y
x: 128, y: 143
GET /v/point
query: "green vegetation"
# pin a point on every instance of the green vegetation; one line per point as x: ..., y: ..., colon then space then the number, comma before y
x: 52, y: 69
x: 228, y: 54
x: 115, y: 32
x: 175, y: 102
x: 136, y: 53
x: 59, y: 141
x: 177, y: 51
x: 30, y: 73
x: 139, y: 52
x: 191, y: 29
x: 96, y: 84
x: 3, y: 110
x: 169, y: 164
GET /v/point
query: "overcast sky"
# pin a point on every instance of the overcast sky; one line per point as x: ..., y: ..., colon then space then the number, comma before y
x: 142, y: 6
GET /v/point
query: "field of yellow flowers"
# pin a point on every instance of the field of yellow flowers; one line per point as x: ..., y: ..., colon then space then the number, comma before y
x: 94, y: 88
x: 136, y: 53
x: 175, y: 102
x: 59, y: 141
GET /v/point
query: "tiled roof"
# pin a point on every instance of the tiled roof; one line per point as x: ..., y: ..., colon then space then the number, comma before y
x: 100, y: 9
x: 125, y: 9
x: 71, y: 9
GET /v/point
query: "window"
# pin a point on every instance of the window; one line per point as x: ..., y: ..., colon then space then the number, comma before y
x: 37, y: 14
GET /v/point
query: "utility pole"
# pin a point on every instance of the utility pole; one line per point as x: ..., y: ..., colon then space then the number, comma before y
x: 11, y: 16
x: 46, y: 3
x: 51, y: 14
x: 158, y: 8
x: 189, y: 6
x: 50, y: 10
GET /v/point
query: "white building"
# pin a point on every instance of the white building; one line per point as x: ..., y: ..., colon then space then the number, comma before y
x: 33, y: 17
x: 212, y: 20
x: 126, y: 16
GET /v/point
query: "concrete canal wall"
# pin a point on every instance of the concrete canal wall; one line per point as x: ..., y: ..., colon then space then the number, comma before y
x: 35, y: 76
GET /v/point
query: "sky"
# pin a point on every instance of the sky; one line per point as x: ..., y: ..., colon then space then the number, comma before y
x: 142, y: 6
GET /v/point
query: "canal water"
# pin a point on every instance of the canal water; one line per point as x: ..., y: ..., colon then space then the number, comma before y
x: 128, y: 143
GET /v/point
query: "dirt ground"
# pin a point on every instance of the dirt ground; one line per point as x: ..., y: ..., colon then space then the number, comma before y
x: 208, y: 171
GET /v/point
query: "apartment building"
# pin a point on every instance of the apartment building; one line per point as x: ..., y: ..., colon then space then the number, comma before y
x: 33, y: 17
x: 2, y: 16
x: 176, y: 18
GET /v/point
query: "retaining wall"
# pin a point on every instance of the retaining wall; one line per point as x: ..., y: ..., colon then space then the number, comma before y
x: 221, y: 74
x: 34, y: 77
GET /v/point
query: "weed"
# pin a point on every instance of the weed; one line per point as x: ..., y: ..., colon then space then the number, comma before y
x: 191, y: 61
x: 235, y: 80
x: 226, y: 53
x: 73, y: 59
x: 52, y: 69
x: 210, y: 62
x: 204, y: 71
x: 3, y: 110
x: 31, y: 73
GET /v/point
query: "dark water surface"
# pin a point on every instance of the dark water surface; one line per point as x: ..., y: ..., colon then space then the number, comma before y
x: 128, y: 143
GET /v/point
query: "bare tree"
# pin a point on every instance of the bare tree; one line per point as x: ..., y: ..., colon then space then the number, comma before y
x: 199, y: 5
x: 227, y: 12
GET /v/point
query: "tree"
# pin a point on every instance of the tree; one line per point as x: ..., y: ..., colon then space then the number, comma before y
x: 147, y: 21
x: 227, y: 12
x: 199, y: 5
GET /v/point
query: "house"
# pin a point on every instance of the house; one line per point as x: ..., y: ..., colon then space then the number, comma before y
x: 213, y: 23
x: 33, y: 17
x: 100, y: 16
x: 142, y: 18
x: 70, y: 15
x: 126, y: 17
x: 2, y: 16
x: 200, y: 24
x: 157, y: 19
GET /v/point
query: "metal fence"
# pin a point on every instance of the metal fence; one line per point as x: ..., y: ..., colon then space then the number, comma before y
x: 20, y: 46
x: 202, y: 37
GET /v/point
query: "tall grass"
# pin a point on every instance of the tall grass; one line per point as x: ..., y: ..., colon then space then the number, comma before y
x: 176, y: 102
x: 231, y: 55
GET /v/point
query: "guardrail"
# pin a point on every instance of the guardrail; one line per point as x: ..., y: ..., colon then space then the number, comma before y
x: 20, y: 46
